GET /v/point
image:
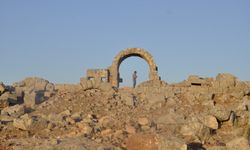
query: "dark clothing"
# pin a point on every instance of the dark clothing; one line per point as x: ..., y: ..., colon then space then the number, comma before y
x: 134, y: 79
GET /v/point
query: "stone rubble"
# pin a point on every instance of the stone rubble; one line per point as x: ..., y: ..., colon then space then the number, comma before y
x: 198, y: 113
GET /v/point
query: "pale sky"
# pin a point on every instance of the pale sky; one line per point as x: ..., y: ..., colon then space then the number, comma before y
x: 59, y: 40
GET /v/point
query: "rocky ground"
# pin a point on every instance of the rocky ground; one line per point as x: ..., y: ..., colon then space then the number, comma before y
x: 196, y: 114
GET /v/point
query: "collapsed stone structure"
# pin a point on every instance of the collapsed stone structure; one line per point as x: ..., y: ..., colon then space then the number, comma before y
x: 111, y: 74
x: 198, y: 113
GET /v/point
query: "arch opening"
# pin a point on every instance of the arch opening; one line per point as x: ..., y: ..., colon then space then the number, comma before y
x: 138, y: 52
x: 127, y: 68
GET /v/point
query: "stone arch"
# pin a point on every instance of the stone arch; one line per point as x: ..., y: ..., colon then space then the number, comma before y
x: 138, y: 52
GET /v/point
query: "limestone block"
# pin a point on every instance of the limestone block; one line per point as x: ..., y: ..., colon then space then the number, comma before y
x: 13, y: 111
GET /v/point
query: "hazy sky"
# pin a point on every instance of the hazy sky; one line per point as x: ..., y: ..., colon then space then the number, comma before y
x: 59, y: 39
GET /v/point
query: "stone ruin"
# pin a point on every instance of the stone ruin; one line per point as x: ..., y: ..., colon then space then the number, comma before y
x: 96, y: 78
x: 198, y: 113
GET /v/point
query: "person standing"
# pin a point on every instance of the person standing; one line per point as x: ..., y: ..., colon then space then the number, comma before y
x: 134, y: 76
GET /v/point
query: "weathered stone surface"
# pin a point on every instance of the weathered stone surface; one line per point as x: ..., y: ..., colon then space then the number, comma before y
x: 4, y: 103
x: 36, y: 84
x: 24, y: 123
x: 68, y: 87
x: 2, y: 88
x: 194, y: 128
x: 114, y: 77
x: 130, y: 129
x: 50, y: 87
x: 106, y: 122
x: 143, y: 121
x: 225, y: 81
x: 13, y: 111
x: 29, y: 123
x: 56, y: 119
x: 173, y: 116
x: 240, y: 143
x: 31, y: 99
x: 85, y: 128
x: 5, y: 119
x: 12, y: 98
x: 220, y: 112
x: 211, y: 122
x: 197, y: 81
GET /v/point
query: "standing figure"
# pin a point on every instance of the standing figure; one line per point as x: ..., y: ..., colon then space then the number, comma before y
x: 134, y: 76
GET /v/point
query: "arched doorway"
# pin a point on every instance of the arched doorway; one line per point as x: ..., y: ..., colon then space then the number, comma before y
x: 137, y: 52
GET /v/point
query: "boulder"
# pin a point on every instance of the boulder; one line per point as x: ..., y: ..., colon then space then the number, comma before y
x: 106, y: 122
x: 13, y: 111
x: 194, y: 128
x: 211, y: 122
x: 32, y: 98
x: 130, y: 129
x: 106, y: 87
x: 4, y: 103
x: 143, y: 121
x: 12, y: 98
x: 84, y: 128
x: 2, y: 88
x: 28, y: 123
x: 57, y: 119
x: 220, y: 112
x: 225, y: 81
x: 24, y: 123
x: 34, y: 84
x: 50, y: 87
x: 6, y: 119
x: 196, y: 81
x: 37, y: 84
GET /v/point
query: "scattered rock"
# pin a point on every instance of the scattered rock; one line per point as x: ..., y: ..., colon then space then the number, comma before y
x: 28, y: 123
x: 6, y: 119
x: 220, y: 112
x: 85, y: 128
x: 130, y: 129
x: 3, y: 102
x: 13, y: 111
x: 24, y: 123
x: 34, y: 84
x: 2, y: 88
x: 201, y: 114
x: 211, y: 122
x: 31, y: 99
x: 143, y: 121
x: 56, y: 119
x: 106, y: 121
x: 10, y: 97
x: 225, y: 81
